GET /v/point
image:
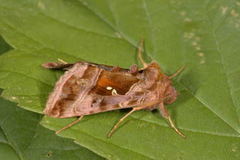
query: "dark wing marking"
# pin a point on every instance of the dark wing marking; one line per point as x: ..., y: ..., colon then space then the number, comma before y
x: 121, y: 82
x: 75, y: 83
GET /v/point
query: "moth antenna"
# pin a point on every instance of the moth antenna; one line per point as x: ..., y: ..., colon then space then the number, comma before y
x: 140, y: 50
x: 133, y: 110
x: 166, y: 115
x: 62, y: 61
x: 69, y: 125
x: 177, y: 72
x: 57, y: 66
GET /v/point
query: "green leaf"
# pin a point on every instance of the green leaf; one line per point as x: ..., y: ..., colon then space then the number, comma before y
x: 6, y: 151
x: 21, y: 137
x: 202, y: 35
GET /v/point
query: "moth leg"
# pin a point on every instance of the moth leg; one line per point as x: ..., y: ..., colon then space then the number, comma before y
x: 140, y: 50
x: 177, y: 72
x: 69, y: 125
x: 118, y: 123
x: 166, y: 115
x: 143, y: 106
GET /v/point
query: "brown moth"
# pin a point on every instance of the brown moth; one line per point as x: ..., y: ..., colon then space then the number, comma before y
x: 89, y: 88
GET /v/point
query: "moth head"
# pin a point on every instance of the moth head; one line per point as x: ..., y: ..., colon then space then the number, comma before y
x: 170, y: 95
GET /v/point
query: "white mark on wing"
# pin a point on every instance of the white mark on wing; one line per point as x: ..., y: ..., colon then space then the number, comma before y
x: 109, y: 88
x: 114, y: 92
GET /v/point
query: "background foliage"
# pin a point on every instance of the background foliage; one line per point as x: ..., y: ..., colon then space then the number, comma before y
x: 203, y: 35
x: 21, y: 137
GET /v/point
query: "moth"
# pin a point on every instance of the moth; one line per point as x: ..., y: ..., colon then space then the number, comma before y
x: 89, y: 88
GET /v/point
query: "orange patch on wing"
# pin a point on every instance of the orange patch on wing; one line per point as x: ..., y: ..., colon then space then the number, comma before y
x: 119, y: 81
